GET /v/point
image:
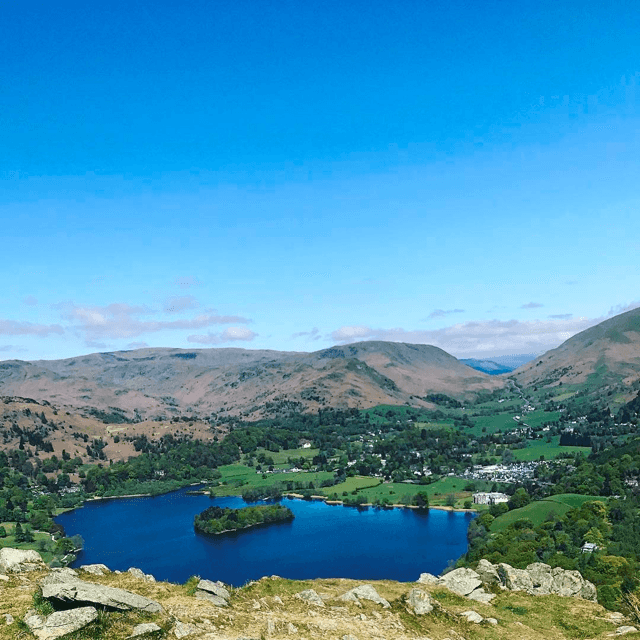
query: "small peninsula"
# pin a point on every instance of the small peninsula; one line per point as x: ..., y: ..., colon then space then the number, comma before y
x: 217, y: 520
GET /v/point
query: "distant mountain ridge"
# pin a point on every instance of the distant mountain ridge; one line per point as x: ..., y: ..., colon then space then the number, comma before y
x: 602, y: 359
x: 498, y: 364
x: 150, y: 382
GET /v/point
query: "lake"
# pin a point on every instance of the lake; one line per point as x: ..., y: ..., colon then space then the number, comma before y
x: 324, y: 541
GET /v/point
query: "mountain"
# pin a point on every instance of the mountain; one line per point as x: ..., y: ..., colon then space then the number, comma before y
x: 604, y: 359
x: 148, y: 383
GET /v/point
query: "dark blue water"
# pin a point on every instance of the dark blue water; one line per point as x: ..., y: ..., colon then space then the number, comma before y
x: 156, y: 534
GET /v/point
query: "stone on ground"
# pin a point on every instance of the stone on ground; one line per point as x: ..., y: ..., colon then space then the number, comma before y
x: 472, y: 616
x: 420, y: 601
x: 364, y: 592
x: 461, y: 581
x: 95, y: 569
x: 310, y: 596
x: 19, y: 560
x: 59, y: 623
x: 144, y: 629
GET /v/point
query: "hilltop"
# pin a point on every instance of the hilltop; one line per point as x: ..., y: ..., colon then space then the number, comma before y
x: 602, y: 361
x: 159, y: 383
x: 94, y: 602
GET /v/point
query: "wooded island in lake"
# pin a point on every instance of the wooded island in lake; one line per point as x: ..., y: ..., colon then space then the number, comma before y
x: 216, y: 520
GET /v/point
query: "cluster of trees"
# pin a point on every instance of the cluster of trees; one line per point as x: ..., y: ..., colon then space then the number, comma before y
x: 216, y: 520
x: 558, y: 541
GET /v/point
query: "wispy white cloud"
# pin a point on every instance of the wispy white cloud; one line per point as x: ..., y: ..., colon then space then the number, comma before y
x: 124, y: 321
x: 30, y: 301
x: 176, y: 304
x: 15, y: 328
x: 532, y: 305
x: 12, y: 347
x: 314, y: 334
x: 478, y: 339
x: 561, y: 316
x: 231, y: 334
x: 441, y: 313
x: 622, y: 308
x: 137, y: 345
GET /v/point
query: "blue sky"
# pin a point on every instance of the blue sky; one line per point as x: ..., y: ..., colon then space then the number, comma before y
x: 298, y: 174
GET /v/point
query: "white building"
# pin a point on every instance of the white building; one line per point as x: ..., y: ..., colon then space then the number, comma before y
x: 492, y: 497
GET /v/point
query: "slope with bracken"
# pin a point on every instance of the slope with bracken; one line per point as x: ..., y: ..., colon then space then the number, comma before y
x: 149, y: 383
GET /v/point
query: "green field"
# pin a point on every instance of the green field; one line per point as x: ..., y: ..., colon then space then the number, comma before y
x: 39, y: 536
x: 237, y: 478
x: 540, y: 510
x: 281, y: 457
x: 537, y: 448
x: 497, y: 422
x: 356, y: 483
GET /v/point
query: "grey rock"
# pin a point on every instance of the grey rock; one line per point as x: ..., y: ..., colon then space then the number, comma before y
x: 588, y: 591
x: 615, y: 616
x: 487, y: 572
x: 183, y: 629
x: 59, y: 623
x: 67, y: 590
x: 364, y: 592
x: 144, y: 629
x: 212, y: 598
x: 277, y: 599
x: 271, y: 627
x: 310, y: 596
x: 349, y: 637
x: 217, y: 588
x: 541, y: 579
x: 428, y: 578
x: 480, y: 595
x: 461, y: 581
x: 620, y: 631
x: 420, y: 601
x: 472, y: 616
x: 8, y: 618
x: 515, y: 579
x: 95, y: 569
x: 4, y: 578
x: 292, y: 629
x: 19, y: 560
x: 491, y: 620
x: 568, y: 583
x: 138, y: 573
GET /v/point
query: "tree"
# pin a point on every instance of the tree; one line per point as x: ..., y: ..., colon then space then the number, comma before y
x: 421, y: 500
x: 451, y: 500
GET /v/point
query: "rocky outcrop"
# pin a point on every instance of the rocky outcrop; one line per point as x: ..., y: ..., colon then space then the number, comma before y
x: 19, y: 560
x: 214, y: 592
x: 139, y: 573
x: 67, y: 590
x: 364, y: 592
x: 59, y: 623
x: 419, y: 602
x: 465, y: 582
x: 95, y: 569
x: 539, y: 579
x: 310, y: 596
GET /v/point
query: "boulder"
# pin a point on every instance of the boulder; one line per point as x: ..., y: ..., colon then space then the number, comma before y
x: 95, y: 569
x: 216, y: 588
x: 428, y: 578
x: 70, y: 591
x: 491, y: 620
x: 420, y: 602
x: 364, y: 592
x: 144, y: 629
x: 138, y: 573
x: 461, y: 581
x: 515, y: 579
x: 472, y: 616
x: 541, y: 578
x: 310, y: 596
x: 480, y: 595
x: 621, y: 631
x: 567, y: 583
x: 18, y: 560
x: 183, y: 629
x: 8, y: 618
x: 487, y: 572
x: 59, y: 623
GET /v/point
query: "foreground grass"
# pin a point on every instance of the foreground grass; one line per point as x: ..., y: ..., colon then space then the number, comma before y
x: 270, y: 603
